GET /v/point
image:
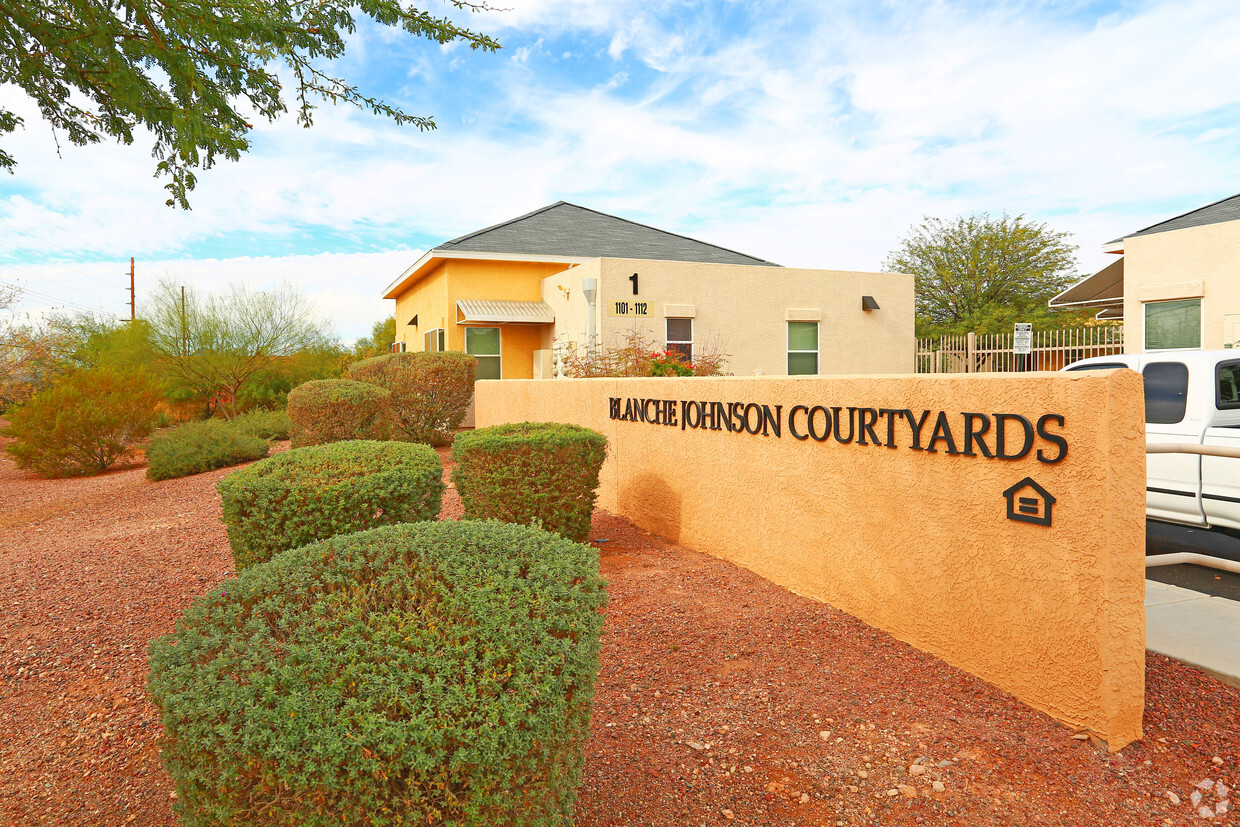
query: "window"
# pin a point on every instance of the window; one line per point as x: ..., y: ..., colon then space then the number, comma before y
x: 483, y: 343
x: 1228, y: 386
x: 433, y: 340
x: 1166, y: 392
x: 680, y: 338
x: 802, y: 348
x: 1171, y: 325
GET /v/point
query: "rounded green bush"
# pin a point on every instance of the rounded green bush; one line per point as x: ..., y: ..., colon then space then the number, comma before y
x: 432, y: 673
x: 309, y: 494
x: 530, y: 471
x: 196, y: 447
x: 332, y: 410
x: 431, y: 391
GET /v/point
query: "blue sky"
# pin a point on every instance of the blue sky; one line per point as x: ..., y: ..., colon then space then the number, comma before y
x: 813, y: 134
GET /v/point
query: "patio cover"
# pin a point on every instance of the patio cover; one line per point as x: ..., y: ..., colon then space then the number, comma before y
x: 479, y: 311
x: 1104, y: 289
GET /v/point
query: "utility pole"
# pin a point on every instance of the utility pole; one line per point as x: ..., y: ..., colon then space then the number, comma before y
x: 132, y: 296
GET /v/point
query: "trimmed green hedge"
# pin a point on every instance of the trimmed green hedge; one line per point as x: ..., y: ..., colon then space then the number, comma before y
x: 530, y: 471
x: 332, y: 410
x: 309, y: 494
x: 430, y: 391
x: 434, y: 673
x: 196, y: 447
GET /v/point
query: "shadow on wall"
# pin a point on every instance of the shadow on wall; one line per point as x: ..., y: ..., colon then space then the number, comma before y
x: 655, y: 501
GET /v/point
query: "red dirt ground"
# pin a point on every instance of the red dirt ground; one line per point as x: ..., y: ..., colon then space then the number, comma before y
x: 722, y: 698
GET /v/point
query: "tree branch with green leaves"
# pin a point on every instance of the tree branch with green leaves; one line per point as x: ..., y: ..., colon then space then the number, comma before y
x: 192, y: 73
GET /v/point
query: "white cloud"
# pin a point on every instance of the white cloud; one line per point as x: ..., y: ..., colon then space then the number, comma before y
x: 810, y: 134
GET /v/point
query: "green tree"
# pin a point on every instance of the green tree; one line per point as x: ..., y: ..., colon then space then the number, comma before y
x: 32, y: 352
x: 269, y: 387
x: 210, y: 346
x: 193, y: 73
x: 95, y: 341
x: 981, y: 274
x: 379, y: 342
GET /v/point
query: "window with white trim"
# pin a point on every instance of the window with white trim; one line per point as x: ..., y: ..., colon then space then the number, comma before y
x: 1173, y: 325
x: 802, y: 348
x: 483, y: 343
x: 433, y: 340
x: 680, y: 338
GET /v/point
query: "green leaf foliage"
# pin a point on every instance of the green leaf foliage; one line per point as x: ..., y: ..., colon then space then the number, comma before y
x: 379, y: 342
x: 331, y: 410
x: 196, y: 447
x: 431, y: 391
x: 84, y: 423
x: 309, y: 494
x: 530, y: 472
x: 968, y: 268
x: 193, y: 74
x: 433, y: 673
x: 213, y: 347
x: 270, y: 425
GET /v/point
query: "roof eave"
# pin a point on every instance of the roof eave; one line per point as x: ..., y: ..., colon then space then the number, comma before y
x: 419, y: 267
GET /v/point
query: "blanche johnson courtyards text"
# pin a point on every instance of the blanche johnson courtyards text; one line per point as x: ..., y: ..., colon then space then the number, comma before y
x: 993, y: 435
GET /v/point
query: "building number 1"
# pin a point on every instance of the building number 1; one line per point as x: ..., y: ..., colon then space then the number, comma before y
x: 633, y: 278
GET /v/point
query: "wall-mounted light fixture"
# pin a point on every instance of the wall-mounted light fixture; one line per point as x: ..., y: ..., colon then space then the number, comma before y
x: 868, y: 303
x: 589, y: 289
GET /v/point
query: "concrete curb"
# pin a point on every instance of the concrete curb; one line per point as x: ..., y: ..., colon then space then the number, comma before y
x: 1195, y: 628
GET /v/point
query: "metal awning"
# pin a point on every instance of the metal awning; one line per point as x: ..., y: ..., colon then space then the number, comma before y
x: 1104, y: 288
x: 1111, y: 313
x: 483, y: 311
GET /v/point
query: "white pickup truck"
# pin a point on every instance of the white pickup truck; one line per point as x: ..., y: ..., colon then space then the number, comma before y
x: 1192, y: 423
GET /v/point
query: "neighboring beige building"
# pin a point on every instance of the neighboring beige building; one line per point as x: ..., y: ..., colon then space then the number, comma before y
x: 1177, y: 285
x: 517, y: 294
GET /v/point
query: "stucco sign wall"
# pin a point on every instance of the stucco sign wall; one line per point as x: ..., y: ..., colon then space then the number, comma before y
x: 996, y: 521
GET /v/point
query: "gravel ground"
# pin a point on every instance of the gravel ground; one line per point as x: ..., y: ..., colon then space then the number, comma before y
x: 722, y: 699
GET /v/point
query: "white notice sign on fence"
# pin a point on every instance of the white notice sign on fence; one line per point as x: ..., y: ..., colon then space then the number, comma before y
x: 1022, y: 338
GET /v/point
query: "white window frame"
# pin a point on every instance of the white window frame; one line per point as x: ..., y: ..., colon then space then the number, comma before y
x: 817, y: 351
x: 499, y: 331
x: 441, y: 339
x: 1145, y: 325
x: 667, y: 343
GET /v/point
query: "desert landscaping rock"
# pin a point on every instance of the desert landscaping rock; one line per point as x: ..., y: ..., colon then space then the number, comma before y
x: 92, y: 569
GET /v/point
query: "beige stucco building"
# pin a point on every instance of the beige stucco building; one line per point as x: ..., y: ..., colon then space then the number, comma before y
x: 1176, y: 285
x: 519, y: 294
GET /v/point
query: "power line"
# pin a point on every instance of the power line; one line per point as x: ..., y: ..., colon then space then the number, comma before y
x: 59, y: 282
x: 26, y: 291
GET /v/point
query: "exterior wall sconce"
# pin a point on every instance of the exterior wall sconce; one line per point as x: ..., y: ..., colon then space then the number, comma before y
x: 868, y: 303
x: 589, y: 289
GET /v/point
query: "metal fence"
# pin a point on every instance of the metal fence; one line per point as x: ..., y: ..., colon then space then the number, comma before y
x: 992, y: 352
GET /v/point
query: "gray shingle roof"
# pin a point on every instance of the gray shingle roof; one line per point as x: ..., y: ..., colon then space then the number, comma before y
x: 1227, y: 209
x: 564, y: 229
